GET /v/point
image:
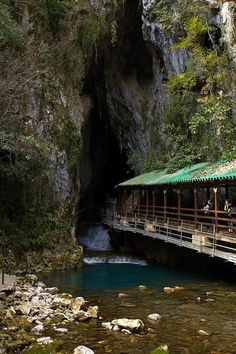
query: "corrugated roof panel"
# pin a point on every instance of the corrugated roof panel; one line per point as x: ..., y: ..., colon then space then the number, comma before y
x: 195, y: 173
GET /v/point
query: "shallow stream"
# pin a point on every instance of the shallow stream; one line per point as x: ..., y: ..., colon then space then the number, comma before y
x: 183, y: 313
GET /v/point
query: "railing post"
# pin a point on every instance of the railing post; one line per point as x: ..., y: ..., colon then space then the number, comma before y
x: 165, y: 204
x: 195, y: 206
x: 181, y: 233
x: 167, y: 230
x: 179, y: 204
x: 216, y: 208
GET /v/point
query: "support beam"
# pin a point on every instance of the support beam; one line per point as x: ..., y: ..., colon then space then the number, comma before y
x: 179, y: 204
x: 195, y: 190
x: 165, y: 205
x: 216, y: 197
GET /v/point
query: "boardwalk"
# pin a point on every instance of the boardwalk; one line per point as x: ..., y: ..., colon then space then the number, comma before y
x: 202, y: 239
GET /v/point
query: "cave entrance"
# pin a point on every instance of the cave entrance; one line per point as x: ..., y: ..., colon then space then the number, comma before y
x: 103, y: 164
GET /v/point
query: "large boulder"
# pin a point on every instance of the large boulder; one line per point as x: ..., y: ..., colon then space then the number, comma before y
x: 134, y: 325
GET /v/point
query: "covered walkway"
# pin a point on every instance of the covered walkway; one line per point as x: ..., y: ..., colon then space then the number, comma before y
x: 170, y: 207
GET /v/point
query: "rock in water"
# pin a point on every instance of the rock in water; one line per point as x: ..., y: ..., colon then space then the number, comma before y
x: 83, y: 350
x: 203, y: 333
x: 169, y: 290
x: 154, y: 316
x: 76, y: 305
x: 92, y: 311
x: 132, y: 325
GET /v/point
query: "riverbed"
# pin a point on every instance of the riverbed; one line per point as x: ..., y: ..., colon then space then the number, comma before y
x: 201, y: 318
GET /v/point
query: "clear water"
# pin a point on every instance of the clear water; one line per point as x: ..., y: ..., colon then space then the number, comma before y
x: 106, y: 276
x: 183, y: 313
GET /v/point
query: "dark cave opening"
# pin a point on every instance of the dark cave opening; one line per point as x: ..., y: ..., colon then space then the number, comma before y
x: 103, y: 163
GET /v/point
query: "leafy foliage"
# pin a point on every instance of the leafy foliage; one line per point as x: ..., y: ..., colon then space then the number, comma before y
x: 11, y: 33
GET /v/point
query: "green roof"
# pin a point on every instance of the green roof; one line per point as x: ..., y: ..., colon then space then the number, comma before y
x: 201, y: 172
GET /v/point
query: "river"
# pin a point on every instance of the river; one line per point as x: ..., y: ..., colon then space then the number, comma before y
x: 113, y: 283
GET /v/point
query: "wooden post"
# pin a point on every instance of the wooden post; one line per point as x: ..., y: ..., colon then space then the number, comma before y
x: 147, y: 202
x: 179, y: 204
x: 195, y: 190
x: 216, y: 208
x: 132, y: 200
x: 165, y: 204
x: 153, y: 204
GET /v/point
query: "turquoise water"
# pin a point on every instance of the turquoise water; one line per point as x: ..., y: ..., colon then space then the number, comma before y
x: 184, y: 313
x: 99, y: 277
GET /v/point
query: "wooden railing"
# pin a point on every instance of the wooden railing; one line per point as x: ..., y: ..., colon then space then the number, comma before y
x: 218, y: 220
x: 212, y: 234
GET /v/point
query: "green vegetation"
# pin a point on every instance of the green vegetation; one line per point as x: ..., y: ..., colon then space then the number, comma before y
x: 199, y: 119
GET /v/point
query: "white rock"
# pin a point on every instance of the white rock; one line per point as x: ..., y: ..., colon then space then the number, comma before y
x: 37, y: 329
x: 107, y: 325
x: 116, y: 328
x: 203, y: 333
x: 35, y: 300
x: 42, y: 302
x: 39, y: 289
x: 44, y: 340
x: 41, y: 284
x: 142, y: 287
x: 130, y: 324
x: 168, y: 290
x: 81, y: 315
x: 76, y: 305
x: 52, y: 291
x: 126, y: 331
x: 83, y: 350
x: 154, y: 316
x: 59, y: 301
x: 24, y: 308
x: 92, y: 311
x: 18, y: 294
x: 61, y: 330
